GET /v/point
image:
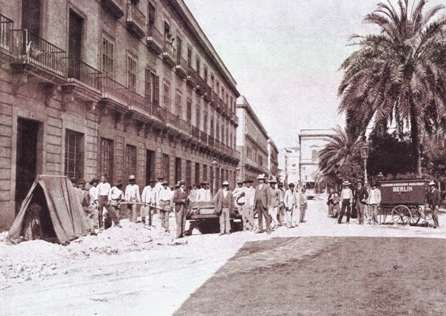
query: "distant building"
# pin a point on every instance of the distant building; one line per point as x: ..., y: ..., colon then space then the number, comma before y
x: 273, y: 158
x: 289, y: 163
x: 311, y: 141
x: 252, y: 142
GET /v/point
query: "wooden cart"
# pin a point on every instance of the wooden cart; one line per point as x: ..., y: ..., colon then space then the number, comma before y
x: 404, y: 201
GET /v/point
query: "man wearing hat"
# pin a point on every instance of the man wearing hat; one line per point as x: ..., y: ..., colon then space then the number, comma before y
x: 146, y: 199
x: 132, y: 197
x: 180, y: 201
x: 361, y: 196
x: 262, y: 201
x: 84, y: 198
x: 289, y: 200
x: 224, y: 204
x: 434, y: 200
x: 248, y: 208
x: 281, y: 208
x: 204, y: 194
x: 165, y: 205
x: 103, y: 189
x: 275, y: 201
x: 239, y: 196
x: 374, y: 201
x: 346, y: 200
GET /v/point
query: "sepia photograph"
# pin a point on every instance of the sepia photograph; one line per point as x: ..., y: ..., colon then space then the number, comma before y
x: 222, y: 157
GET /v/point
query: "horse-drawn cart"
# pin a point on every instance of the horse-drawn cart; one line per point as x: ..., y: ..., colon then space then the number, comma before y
x: 404, y: 201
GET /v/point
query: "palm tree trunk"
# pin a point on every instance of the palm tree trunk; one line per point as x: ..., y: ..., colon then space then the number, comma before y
x: 415, y: 135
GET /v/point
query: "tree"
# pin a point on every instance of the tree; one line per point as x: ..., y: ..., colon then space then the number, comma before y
x: 399, y: 74
x: 340, y: 159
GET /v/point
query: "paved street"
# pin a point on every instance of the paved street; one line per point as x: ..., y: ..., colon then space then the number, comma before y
x: 319, y: 268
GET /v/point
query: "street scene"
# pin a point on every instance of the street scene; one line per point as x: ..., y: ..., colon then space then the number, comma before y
x: 189, y: 157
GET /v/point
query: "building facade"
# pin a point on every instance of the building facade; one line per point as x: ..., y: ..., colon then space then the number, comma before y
x: 289, y: 162
x: 273, y: 158
x: 110, y: 86
x: 311, y: 141
x: 252, y: 143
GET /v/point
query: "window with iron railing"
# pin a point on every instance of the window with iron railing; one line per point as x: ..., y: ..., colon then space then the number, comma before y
x: 178, y: 108
x: 189, y: 111
x: 131, y: 72
x: 108, y: 55
x: 198, y: 66
x: 189, y: 56
x: 166, y: 94
x: 179, y: 49
x: 198, y: 116
x: 106, y: 159
x: 151, y: 14
x: 74, y: 154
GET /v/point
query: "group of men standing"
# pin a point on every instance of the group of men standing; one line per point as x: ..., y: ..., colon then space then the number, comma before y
x: 273, y: 205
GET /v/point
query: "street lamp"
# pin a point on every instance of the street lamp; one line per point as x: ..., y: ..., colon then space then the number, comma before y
x: 365, y: 155
x: 214, y: 180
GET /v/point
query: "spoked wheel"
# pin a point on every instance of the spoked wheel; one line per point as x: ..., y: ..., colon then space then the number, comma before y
x: 416, y: 215
x: 401, y: 214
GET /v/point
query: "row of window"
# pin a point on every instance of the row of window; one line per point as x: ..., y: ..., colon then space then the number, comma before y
x: 74, y: 162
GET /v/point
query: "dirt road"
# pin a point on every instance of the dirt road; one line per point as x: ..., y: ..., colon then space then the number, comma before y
x: 158, y: 276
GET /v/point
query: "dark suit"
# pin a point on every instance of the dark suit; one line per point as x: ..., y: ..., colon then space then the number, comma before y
x: 224, y: 206
x: 262, y: 200
x: 434, y: 200
x: 179, y: 199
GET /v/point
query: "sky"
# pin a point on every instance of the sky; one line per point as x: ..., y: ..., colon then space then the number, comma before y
x: 285, y: 56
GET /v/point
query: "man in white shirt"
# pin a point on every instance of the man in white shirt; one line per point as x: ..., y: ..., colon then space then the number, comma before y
x: 204, y: 194
x: 248, y: 208
x: 103, y: 189
x: 374, y: 202
x: 165, y: 204
x: 115, y: 196
x: 346, y: 200
x: 93, y: 195
x: 290, y: 206
x: 146, y: 198
x: 132, y: 197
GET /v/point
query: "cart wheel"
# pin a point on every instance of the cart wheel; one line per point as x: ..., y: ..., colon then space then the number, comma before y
x: 401, y: 215
x: 416, y: 215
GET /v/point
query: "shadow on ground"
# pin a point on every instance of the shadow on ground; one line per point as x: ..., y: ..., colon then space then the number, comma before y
x: 327, y: 276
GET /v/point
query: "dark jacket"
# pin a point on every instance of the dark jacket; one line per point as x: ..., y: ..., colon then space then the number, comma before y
x: 361, y: 195
x: 179, y: 199
x: 263, y: 195
x: 434, y: 198
x: 219, y: 200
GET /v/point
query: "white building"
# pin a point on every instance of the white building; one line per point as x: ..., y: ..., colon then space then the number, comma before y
x: 289, y: 161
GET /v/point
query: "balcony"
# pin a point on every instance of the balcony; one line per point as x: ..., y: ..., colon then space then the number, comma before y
x: 203, y: 137
x: 159, y: 113
x: 173, y: 120
x: 169, y: 54
x: 138, y: 105
x: 6, y: 26
x: 114, y: 7
x: 185, y: 127
x: 201, y: 86
x: 114, y: 94
x: 195, y: 132
x: 136, y: 20
x: 181, y: 68
x: 37, y: 57
x: 83, y: 80
x: 191, y: 78
x: 211, y: 141
x: 154, y: 40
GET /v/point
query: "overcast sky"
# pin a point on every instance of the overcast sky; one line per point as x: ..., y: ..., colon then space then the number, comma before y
x: 285, y: 55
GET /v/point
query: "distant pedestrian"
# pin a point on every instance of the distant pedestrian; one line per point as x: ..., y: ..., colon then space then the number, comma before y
x: 434, y: 200
x: 281, y: 209
x: 146, y: 199
x: 192, y: 197
x: 180, y: 203
x: 290, y: 205
x: 132, y: 197
x: 248, y: 208
x: 204, y: 193
x: 274, y: 203
x: 361, y: 196
x: 103, y: 189
x: 346, y: 200
x: 375, y: 201
x: 330, y: 202
x: 302, y: 204
x: 262, y: 201
x: 224, y: 203
x: 115, y: 196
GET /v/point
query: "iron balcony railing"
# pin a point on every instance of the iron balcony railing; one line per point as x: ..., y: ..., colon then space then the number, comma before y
x: 136, y: 19
x: 191, y: 76
x: 173, y: 119
x: 203, y: 137
x: 154, y: 39
x: 169, y: 53
x: 137, y: 100
x: 185, y: 127
x: 114, y: 7
x: 111, y: 87
x: 84, y: 73
x: 6, y: 26
x: 195, y: 132
x: 159, y: 112
x: 30, y: 48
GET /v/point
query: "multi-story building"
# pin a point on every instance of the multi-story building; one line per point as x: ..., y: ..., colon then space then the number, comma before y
x: 289, y: 162
x: 273, y: 158
x: 252, y: 142
x: 110, y: 86
x: 311, y: 141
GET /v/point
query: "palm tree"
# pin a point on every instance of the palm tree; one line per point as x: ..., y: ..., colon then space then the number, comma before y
x: 340, y: 151
x: 398, y: 75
